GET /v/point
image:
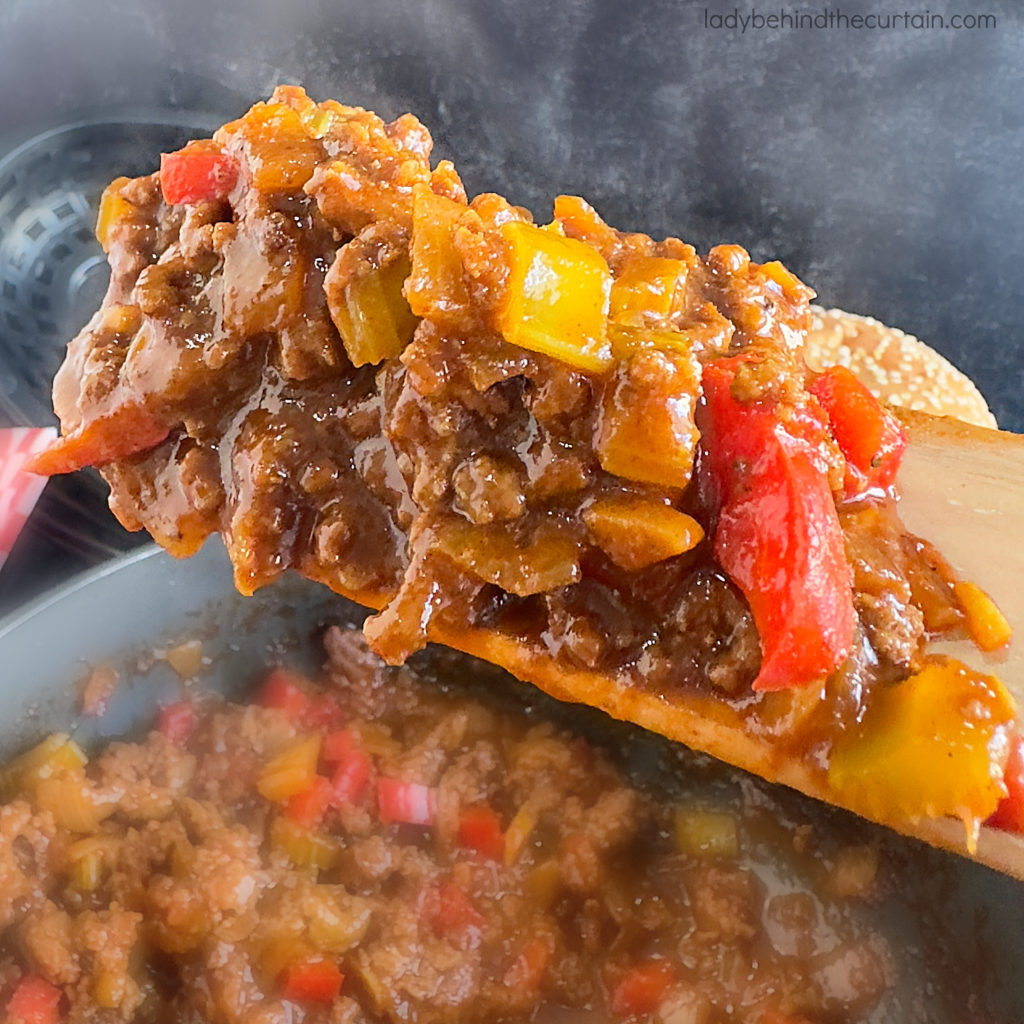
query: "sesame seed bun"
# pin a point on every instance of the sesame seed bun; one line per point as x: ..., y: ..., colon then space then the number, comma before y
x: 898, y: 368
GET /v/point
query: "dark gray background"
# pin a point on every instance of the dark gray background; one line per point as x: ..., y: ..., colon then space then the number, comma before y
x: 882, y: 166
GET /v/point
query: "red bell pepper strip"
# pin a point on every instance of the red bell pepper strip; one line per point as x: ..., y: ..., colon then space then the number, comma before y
x: 338, y: 746
x: 35, y: 1001
x: 778, y: 535
x: 353, y: 770
x: 309, y: 806
x: 282, y: 692
x: 480, y: 830
x: 869, y: 436
x: 407, y: 803
x: 311, y: 710
x: 1009, y: 815
x: 318, y: 981
x: 127, y: 430
x: 177, y: 721
x: 641, y: 989
x: 194, y: 174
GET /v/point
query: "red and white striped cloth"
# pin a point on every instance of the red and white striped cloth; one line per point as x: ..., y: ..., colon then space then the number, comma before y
x: 19, y: 489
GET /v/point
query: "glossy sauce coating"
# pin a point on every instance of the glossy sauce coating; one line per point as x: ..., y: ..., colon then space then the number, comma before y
x: 437, y: 469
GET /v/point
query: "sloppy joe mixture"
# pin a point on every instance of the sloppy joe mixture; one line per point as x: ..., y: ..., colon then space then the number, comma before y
x: 431, y: 846
x: 601, y: 448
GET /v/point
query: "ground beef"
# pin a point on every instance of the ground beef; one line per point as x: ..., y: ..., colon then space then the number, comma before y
x: 315, y: 361
x: 214, y: 872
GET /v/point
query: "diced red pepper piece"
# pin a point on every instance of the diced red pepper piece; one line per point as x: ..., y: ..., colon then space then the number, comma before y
x: 641, y: 989
x: 318, y: 981
x: 323, y: 712
x: 350, y: 778
x: 177, y: 721
x: 450, y: 911
x: 338, y: 746
x: 480, y: 830
x: 128, y: 430
x: 869, y: 436
x: 1009, y: 815
x: 284, y: 691
x: 281, y: 691
x: 311, y: 711
x: 309, y: 807
x: 778, y: 535
x: 408, y: 803
x: 195, y: 174
x: 35, y: 1001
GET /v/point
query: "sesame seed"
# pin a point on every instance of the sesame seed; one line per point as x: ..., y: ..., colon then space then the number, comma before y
x: 897, y: 367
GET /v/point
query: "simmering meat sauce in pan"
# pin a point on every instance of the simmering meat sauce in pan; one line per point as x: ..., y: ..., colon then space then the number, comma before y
x: 438, y: 844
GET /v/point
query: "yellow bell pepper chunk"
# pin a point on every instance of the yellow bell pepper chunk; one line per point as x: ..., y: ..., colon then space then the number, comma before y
x: 628, y: 339
x: 547, y: 560
x: 52, y: 757
x: 122, y: 319
x: 646, y: 430
x: 279, y: 950
x: 934, y: 745
x: 72, y: 802
x: 637, y: 532
x: 86, y: 860
x: 437, y: 284
x: 374, y: 319
x: 557, y: 300
x: 790, y: 284
x: 319, y: 118
x: 304, y: 848
x: 114, y: 207
x: 282, y: 153
x: 334, y: 920
x: 700, y: 833
x: 291, y: 771
x: 87, y: 873
x: 986, y: 624
x: 109, y: 989
x: 518, y: 832
x: 646, y: 285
